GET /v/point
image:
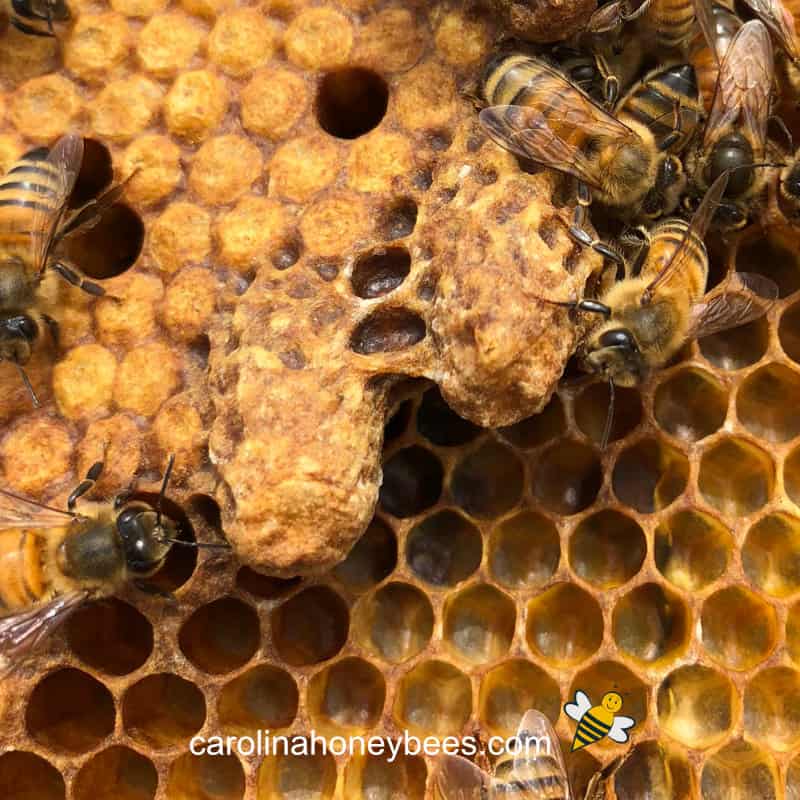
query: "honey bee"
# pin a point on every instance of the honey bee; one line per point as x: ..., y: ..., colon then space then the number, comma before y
x: 718, y: 25
x: 735, y: 135
x: 535, y: 770
x: 36, y: 17
x: 33, y: 222
x: 54, y: 561
x: 667, y: 23
x: 790, y: 186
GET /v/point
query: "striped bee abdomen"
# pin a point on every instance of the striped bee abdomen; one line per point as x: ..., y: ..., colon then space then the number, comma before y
x: 21, y: 578
x: 671, y: 20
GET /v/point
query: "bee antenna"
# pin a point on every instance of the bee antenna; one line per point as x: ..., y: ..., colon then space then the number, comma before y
x: 609, y: 416
x: 196, y: 545
x: 28, y: 386
x: 163, y: 491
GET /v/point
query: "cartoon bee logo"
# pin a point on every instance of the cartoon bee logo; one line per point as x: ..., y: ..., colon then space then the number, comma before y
x: 597, y: 722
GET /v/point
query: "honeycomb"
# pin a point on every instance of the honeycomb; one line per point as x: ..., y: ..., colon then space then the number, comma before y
x: 504, y: 568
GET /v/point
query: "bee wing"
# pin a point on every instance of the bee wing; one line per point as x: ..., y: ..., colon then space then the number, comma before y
x: 65, y: 159
x: 538, y: 769
x: 456, y: 778
x: 578, y: 707
x: 619, y: 727
x: 21, y: 633
x: 704, y: 13
x: 744, y: 86
x: 780, y: 22
x: 740, y: 299
x: 20, y: 512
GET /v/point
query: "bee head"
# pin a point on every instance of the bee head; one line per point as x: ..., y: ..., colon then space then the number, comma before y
x: 790, y: 182
x: 630, y: 167
x: 18, y: 332
x: 613, y: 354
x: 146, y: 538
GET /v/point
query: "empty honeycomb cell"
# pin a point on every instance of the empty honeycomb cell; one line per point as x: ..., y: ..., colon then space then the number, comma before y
x: 510, y: 689
x: 412, y: 482
x: 736, y: 477
x: 567, y: 477
x: 220, y: 636
x: 444, y: 549
x: 265, y: 586
x: 650, y: 475
x: 346, y: 697
x: 771, y: 252
x: 692, y: 549
x: 117, y: 773
x: 286, y: 776
x: 564, y: 624
x: 61, y: 98
x: 168, y: 42
x: 439, y: 424
x: 538, y: 429
x: 479, y: 623
x: 791, y: 476
x: 387, y: 330
x: 196, y: 104
x: 696, y: 706
x: 26, y: 776
x: 83, y: 381
x: 205, y: 777
x: 70, y: 711
x: 310, y: 627
x: 163, y: 710
x: 433, y: 698
x: 318, y: 38
x: 651, y: 624
x: 524, y: 550
x: 96, y: 173
x: 607, y: 548
x: 789, y: 332
x: 380, y: 272
x: 398, y: 219
x: 224, y: 168
x: 351, y: 102
x: 592, y: 407
x: 395, y: 623
x: 771, y: 554
x: 761, y: 403
x: 110, y: 636
x: 241, y: 41
x: 690, y: 404
x: 772, y: 708
x: 377, y: 777
x: 645, y: 773
x: 737, y: 348
x: 272, y: 102
x: 489, y: 481
x: 373, y: 557
x: 180, y: 235
x: 738, y: 771
x: 263, y: 698
x: 738, y: 628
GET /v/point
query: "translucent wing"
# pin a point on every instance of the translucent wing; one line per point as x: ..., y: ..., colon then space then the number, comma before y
x: 741, y: 298
x: 21, y: 633
x: 62, y: 165
x: 538, y: 769
x: 744, y: 86
x: 20, y: 512
x: 619, y: 727
x: 456, y: 778
x: 704, y: 13
x: 780, y: 22
x: 578, y: 707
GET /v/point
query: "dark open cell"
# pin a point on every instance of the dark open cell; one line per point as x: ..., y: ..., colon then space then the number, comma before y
x: 398, y: 422
x: 399, y: 219
x: 380, y: 272
x: 264, y: 697
x: 25, y: 776
x: 439, y: 424
x: 351, y: 102
x: 444, y: 549
x: 649, y: 475
x: 412, y: 482
x: 96, y: 172
x: 387, y: 330
x: 538, y: 429
x: 567, y: 477
x: 373, y: 557
x: 117, y: 773
x: 774, y: 255
x: 265, y: 586
x: 489, y: 481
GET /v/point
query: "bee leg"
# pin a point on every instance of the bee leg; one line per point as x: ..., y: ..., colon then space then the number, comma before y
x: 677, y: 129
x: 85, y: 485
x: 582, y: 236
x: 30, y: 30
x: 610, y: 82
x: 781, y: 126
x: 629, y: 16
x: 53, y: 327
x: 70, y: 276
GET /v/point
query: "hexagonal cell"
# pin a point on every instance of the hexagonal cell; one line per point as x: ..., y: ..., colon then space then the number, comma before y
x: 549, y: 423
x: 738, y: 628
x: 690, y: 404
x: 26, y: 776
x: 439, y: 424
x: 444, y: 549
x: 645, y: 773
x: 346, y: 697
x: 771, y: 554
x: 479, y: 623
x: 489, y: 481
x: 70, y: 711
x: 789, y: 332
x: 398, y: 219
x: 110, y: 636
x: 736, y: 477
x: 220, y: 636
x: 95, y: 174
x: 163, y: 710
x: 737, y: 348
x: 774, y: 253
x: 265, y: 586
x: 373, y: 557
x: 592, y: 409
x: 764, y: 405
x: 510, y: 689
x: 433, y: 698
x: 371, y: 777
x: 772, y: 708
x: 380, y: 272
x: 310, y: 627
x: 387, y: 330
x: 791, y: 476
x: 567, y: 477
x: 692, y: 549
x: 607, y: 549
x: 395, y: 623
x: 351, y: 101
x: 695, y: 706
x: 263, y: 698
x: 285, y: 777
x: 117, y: 773
x: 740, y: 771
x: 412, y: 482
x: 397, y: 423
x: 205, y: 777
x: 564, y: 624
x: 651, y: 624
x: 581, y: 767
x: 650, y: 475
x: 524, y: 550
